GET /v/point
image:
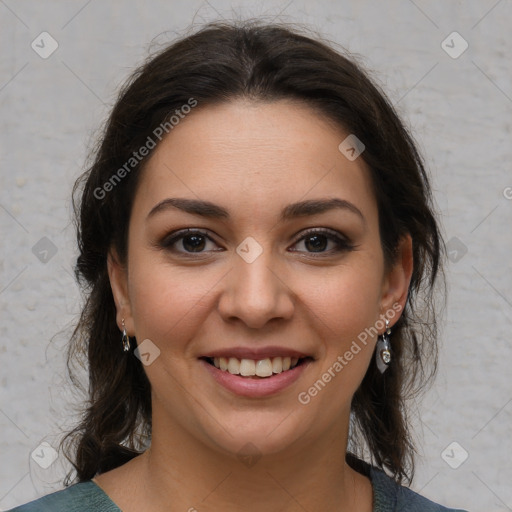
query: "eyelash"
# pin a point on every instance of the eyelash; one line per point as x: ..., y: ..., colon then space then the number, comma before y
x: 342, y: 243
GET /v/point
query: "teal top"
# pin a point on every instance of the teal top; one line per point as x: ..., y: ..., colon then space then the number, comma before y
x: 87, y: 496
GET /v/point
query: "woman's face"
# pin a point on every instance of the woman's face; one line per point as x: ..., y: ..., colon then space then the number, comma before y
x: 266, y: 273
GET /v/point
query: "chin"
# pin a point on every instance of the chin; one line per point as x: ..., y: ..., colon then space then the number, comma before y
x: 256, y: 433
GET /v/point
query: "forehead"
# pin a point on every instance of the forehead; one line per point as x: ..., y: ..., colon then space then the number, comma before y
x: 254, y: 155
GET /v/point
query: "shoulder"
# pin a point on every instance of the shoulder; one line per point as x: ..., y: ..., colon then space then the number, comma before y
x: 81, y: 497
x: 392, y: 497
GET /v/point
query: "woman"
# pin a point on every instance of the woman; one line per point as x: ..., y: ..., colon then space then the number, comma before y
x: 255, y: 233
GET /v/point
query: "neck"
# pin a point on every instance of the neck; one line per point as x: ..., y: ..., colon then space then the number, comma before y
x: 182, y: 472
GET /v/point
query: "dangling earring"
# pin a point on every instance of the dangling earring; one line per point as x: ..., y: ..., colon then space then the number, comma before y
x: 125, y: 339
x: 383, y: 351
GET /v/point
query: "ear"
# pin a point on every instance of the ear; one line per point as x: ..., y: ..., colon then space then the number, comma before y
x: 118, y: 276
x: 395, y: 286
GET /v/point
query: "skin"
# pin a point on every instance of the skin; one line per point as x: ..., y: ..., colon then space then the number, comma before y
x: 252, y: 158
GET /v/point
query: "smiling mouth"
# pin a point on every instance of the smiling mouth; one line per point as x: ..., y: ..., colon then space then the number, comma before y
x: 251, y: 368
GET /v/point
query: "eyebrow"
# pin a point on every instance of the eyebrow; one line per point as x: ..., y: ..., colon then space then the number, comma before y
x: 208, y: 209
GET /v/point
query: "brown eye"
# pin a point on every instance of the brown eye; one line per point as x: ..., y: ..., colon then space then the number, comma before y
x: 187, y: 241
x: 317, y: 241
x: 193, y: 243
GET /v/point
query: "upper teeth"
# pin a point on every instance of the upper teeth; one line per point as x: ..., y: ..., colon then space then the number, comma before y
x: 261, y: 368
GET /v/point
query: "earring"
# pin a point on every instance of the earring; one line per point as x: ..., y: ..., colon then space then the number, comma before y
x: 383, y: 351
x: 125, y: 339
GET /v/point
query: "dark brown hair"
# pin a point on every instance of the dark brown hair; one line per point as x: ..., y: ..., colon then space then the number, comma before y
x: 263, y: 62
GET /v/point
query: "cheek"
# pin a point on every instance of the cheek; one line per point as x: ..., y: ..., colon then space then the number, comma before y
x: 165, y: 300
x: 346, y: 305
x: 347, y: 312
x: 346, y: 300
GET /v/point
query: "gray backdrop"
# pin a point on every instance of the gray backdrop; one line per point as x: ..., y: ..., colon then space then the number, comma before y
x: 458, y: 103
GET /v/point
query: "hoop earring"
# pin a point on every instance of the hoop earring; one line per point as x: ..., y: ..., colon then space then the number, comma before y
x: 125, y: 339
x: 383, y: 350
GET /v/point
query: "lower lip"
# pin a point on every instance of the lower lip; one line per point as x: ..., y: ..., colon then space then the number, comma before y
x: 257, y: 387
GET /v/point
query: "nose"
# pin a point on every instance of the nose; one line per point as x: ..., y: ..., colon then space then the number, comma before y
x: 256, y: 292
